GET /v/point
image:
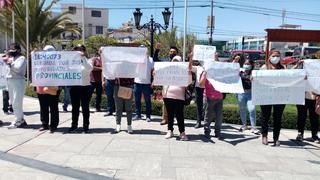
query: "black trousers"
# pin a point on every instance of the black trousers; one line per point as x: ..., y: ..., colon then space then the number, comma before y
x: 277, y: 119
x: 5, y: 100
x: 199, y: 101
x: 175, y: 108
x: 313, y: 116
x: 80, y: 95
x: 98, y: 87
x: 49, y: 103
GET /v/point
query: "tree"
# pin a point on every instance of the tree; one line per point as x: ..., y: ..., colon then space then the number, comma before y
x: 93, y: 43
x: 43, y: 26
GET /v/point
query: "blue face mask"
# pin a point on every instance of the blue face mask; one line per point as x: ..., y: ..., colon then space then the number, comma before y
x: 247, y: 67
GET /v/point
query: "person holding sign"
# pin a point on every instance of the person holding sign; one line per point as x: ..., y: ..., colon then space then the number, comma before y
x: 272, y: 63
x: 16, y: 83
x: 213, y: 105
x: 245, y: 99
x: 96, y: 80
x: 174, y: 101
x: 123, y: 96
x: 48, y: 99
x: 6, y: 103
x: 81, y: 94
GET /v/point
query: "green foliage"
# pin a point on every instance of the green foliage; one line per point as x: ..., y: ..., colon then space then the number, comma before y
x: 43, y: 26
x: 93, y: 43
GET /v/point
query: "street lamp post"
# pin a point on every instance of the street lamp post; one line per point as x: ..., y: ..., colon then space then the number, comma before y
x: 152, y: 26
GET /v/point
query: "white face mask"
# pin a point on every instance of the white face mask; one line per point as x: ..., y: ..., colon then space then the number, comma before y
x: 275, y: 60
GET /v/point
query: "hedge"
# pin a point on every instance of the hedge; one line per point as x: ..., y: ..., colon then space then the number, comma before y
x: 230, y: 110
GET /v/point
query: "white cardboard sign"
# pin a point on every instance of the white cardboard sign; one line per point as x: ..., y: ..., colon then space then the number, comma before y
x: 171, y: 74
x: 204, y: 53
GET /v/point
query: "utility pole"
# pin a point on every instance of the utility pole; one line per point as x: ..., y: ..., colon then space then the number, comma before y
x: 83, y: 26
x: 172, y: 18
x: 283, y: 17
x: 211, y: 25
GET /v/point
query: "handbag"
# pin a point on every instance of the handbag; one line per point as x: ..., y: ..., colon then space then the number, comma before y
x: 189, y: 91
x: 317, y: 108
x: 50, y: 90
x: 124, y: 92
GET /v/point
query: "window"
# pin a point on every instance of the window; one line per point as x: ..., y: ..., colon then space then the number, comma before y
x: 99, y: 29
x: 72, y: 9
x: 96, y: 13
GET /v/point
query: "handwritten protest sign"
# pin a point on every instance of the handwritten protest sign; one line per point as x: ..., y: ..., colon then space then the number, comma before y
x: 171, y: 74
x: 312, y: 68
x: 204, y: 53
x: 224, y: 76
x: 278, y: 87
x: 56, y: 68
x: 125, y: 54
x: 124, y: 62
x: 3, y: 73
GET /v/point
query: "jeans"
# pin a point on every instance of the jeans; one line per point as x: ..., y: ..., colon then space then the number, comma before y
x: 5, y: 100
x: 199, y: 101
x: 120, y: 103
x: 245, y: 102
x: 16, y: 93
x: 313, y: 116
x: 98, y: 87
x: 175, y: 108
x: 146, y: 90
x: 47, y: 102
x: 213, y: 107
x: 109, y: 92
x: 66, y: 97
x: 277, y: 118
x: 80, y: 95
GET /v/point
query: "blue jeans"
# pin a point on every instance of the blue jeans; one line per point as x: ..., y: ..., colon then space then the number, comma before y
x: 245, y: 102
x: 146, y: 90
x: 109, y: 93
x: 66, y: 97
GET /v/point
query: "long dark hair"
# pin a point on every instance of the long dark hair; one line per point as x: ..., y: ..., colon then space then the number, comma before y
x: 278, y: 66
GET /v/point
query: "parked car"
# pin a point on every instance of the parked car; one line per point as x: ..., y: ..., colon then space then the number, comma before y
x: 302, y: 52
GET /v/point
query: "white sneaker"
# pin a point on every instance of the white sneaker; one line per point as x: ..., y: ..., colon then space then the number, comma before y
x: 12, y: 126
x: 169, y: 134
x: 130, y: 131
x: 118, y: 128
x: 254, y: 130
x: 183, y: 137
x: 243, y: 128
x: 148, y: 119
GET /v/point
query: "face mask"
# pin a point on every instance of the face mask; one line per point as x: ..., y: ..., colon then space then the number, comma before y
x: 247, y: 67
x: 275, y: 60
x: 13, y: 53
x: 172, y: 56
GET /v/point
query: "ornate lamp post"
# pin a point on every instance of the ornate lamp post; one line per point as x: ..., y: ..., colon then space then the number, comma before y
x: 152, y: 26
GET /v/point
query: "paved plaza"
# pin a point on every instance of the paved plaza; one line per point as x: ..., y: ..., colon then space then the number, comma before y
x: 145, y: 154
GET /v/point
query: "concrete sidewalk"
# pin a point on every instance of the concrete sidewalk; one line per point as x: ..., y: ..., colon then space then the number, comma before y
x: 30, y: 154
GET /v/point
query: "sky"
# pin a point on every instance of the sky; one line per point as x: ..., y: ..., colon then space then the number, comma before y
x: 234, y: 18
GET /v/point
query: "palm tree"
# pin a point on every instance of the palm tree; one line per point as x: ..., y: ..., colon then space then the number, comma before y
x: 43, y: 25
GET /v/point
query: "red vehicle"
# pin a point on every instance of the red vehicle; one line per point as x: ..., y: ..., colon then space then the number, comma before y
x: 302, y: 53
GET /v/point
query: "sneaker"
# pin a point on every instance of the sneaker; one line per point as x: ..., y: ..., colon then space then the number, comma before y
x: 136, y: 117
x: 254, y: 130
x: 43, y: 129
x: 276, y: 143
x: 72, y: 129
x: 198, y: 125
x: 299, y: 137
x: 148, y: 119
x: 183, y: 137
x: 130, y: 131
x: 316, y: 139
x: 169, y: 134
x: 19, y: 124
x: 10, y: 109
x: 207, y: 134
x: 118, y: 128
x: 65, y: 109
x: 243, y: 128
x: 23, y: 124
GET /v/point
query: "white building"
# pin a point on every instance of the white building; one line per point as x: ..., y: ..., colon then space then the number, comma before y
x: 128, y: 33
x: 96, y: 19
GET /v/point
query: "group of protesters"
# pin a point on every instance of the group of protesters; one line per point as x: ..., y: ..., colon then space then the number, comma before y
x: 123, y: 92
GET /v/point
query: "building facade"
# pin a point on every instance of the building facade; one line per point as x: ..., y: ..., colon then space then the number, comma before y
x: 96, y: 20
